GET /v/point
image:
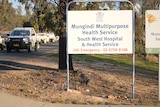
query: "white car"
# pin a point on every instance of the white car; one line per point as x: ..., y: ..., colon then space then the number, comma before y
x: 22, y: 38
x: 52, y: 37
x: 43, y: 37
x: 2, y: 43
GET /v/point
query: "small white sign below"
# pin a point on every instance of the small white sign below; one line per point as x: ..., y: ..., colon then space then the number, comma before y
x: 152, y: 29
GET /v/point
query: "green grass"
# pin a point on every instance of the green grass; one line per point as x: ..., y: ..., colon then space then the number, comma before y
x: 122, y: 60
x: 146, y: 65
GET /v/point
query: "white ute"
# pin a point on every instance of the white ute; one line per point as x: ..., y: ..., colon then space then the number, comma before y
x: 22, y: 38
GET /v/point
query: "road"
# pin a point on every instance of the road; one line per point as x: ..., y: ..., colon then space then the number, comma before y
x: 8, y: 61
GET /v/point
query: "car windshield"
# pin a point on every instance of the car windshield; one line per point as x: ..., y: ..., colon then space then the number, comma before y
x: 20, y: 33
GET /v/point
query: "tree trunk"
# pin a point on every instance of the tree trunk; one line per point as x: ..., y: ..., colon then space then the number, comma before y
x: 62, y: 41
x: 63, y: 55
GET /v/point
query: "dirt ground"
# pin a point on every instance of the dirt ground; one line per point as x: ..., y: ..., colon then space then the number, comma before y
x: 90, y: 83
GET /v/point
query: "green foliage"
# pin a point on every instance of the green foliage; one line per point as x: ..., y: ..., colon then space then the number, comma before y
x: 9, y: 17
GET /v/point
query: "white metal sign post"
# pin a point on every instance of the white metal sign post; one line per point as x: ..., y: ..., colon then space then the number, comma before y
x: 152, y: 20
x: 100, y: 32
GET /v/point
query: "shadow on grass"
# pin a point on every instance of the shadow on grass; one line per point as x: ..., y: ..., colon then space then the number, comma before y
x: 124, y: 62
x: 12, y: 65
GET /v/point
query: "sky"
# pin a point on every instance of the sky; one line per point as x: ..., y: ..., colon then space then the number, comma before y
x: 16, y: 4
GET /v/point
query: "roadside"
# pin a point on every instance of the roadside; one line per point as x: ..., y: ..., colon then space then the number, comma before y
x: 7, y: 100
x: 35, y: 76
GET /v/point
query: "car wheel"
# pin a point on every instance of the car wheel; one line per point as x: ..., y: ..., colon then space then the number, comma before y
x: 29, y: 47
x: 8, y: 49
x: 36, y: 46
x: 1, y: 48
x: 17, y: 50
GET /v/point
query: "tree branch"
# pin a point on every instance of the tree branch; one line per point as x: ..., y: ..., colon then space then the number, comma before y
x: 54, y: 1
